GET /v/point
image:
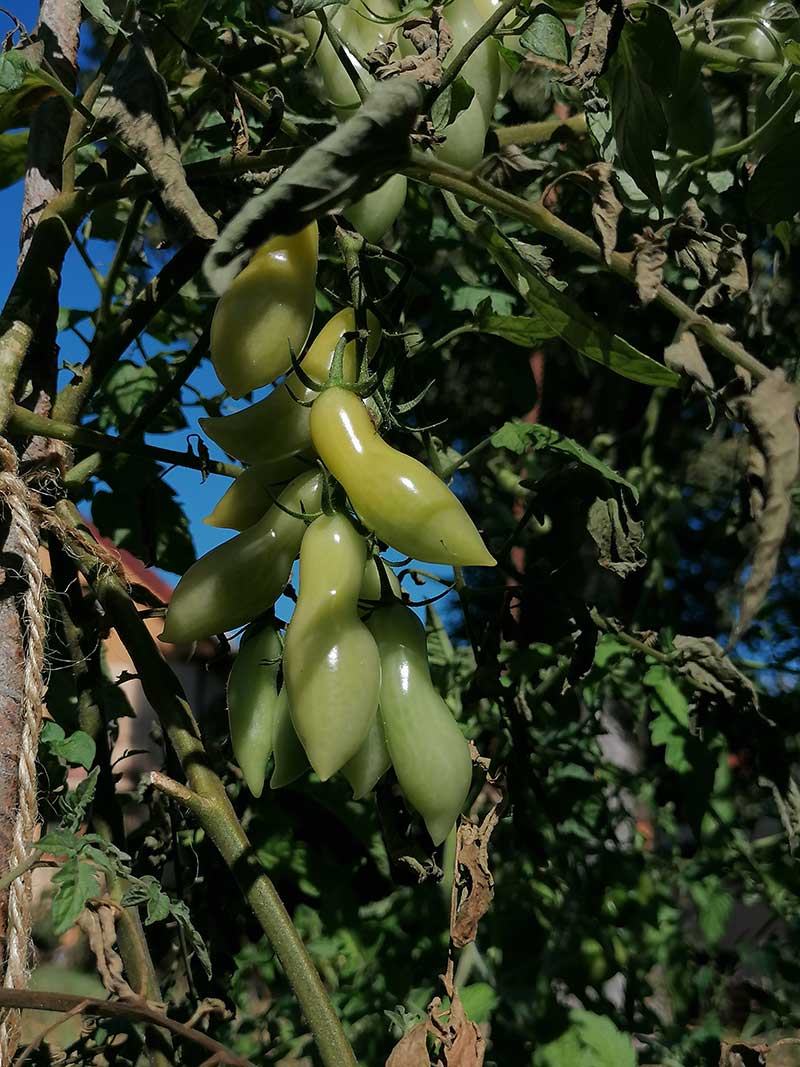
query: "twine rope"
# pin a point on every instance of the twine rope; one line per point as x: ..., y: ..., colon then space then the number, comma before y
x: 21, y: 505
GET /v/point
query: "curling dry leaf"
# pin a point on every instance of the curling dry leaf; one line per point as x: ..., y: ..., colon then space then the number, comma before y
x: 602, y: 24
x: 649, y: 257
x: 98, y: 926
x: 770, y: 413
x: 617, y: 534
x: 135, y: 107
x: 462, y: 1043
x: 412, y: 1049
x: 703, y: 661
x: 684, y: 356
x: 717, y: 260
x: 606, y: 208
x: 432, y: 38
x: 475, y: 882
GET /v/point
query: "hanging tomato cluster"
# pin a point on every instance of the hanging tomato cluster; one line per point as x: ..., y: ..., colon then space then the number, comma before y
x: 356, y: 694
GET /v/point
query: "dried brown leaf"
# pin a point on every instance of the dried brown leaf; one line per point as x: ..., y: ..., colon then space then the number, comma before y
x: 135, y: 107
x: 412, y: 1049
x: 463, y: 1044
x: 717, y: 260
x: 602, y: 24
x: 703, y: 661
x: 606, y: 208
x: 617, y: 534
x: 731, y: 277
x: 649, y: 257
x: 101, y: 933
x: 432, y: 38
x: 770, y: 413
x: 684, y: 357
x: 475, y: 886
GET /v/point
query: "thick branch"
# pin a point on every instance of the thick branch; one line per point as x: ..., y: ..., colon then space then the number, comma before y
x: 434, y: 172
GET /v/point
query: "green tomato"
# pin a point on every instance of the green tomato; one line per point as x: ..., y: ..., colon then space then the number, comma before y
x: 487, y: 8
x: 278, y: 426
x: 370, y: 763
x: 252, y: 702
x: 290, y: 756
x: 379, y: 585
x: 406, y: 505
x: 239, y: 580
x: 464, y: 139
x: 374, y: 214
x: 331, y: 664
x: 268, y: 307
x: 253, y: 493
x: 428, y: 751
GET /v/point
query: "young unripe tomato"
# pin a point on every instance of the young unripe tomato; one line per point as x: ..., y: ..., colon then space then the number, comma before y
x: 331, y: 664
x: 406, y: 505
x: 252, y: 702
x: 374, y: 214
x: 268, y: 307
x: 428, y: 751
x: 253, y: 493
x: 237, y: 581
x: 290, y: 756
x: 370, y: 763
x: 278, y: 426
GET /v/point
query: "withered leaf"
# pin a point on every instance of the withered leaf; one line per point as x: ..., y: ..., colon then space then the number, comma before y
x: 770, y: 413
x: 617, y: 534
x: 412, y: 1049
x: 649, y: 257
x: 602, y: 25
x: 475, y: 882
x: 606, y: 207
x: 684, y: 357
x: 135, y: 108
x: 100, y: 930
x: 731, y: 277
x: 703, y: 661
x: 717, y: 260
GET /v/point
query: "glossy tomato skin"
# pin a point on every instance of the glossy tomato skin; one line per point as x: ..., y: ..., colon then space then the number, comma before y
x: 406, y: 505
x: 278, y: 426
x: 370, y: 763
x: 290, y: 757
x: 234, y: 583
x: 253, y: 493
x: 486, y: 8
x: 252, y: 702
x: 374, y: 214
x: 379, y: 584
x: 330, y: 660
x: 428, y: 751
x: 267, y: 307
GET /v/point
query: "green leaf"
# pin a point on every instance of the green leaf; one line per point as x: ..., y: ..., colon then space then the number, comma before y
x: 100, y: 13
x: 511, y: 58
x: 670, y: 727
x: 329, y: 175
x: 449, y: 105
x: 21, y: 83
x: 518, y: 437
x: 547, y: 36
x: 590, y: 1041
x: 13, y: 157
x: 148, y: 891
x: 568, y: 321
x: 773, y: 194
x: 714, y: 907
x: 78, y: 749
x: 75, y: 803
x: 641, y: 74
x: 522, y: 330
x: 60, y: 843
x: 181, y: 913
x: 75, y: 883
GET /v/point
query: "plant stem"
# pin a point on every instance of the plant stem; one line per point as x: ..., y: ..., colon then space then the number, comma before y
x: 206, y: 795
x: 342, y: 54
x: 132, y: 224
x: 540, y: 132
x: 25, y: 423
x: 444, y: 176
x: 452, y: 70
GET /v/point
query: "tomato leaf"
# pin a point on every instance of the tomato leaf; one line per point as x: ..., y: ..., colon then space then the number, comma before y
x: 567, y: 320
x: 589, y: 1041
x: 774, y: 191
x: 449, y: 104
x: 75, y: 883
x: 547, y: 35
x: 13, y: 157
x: 78, y: 749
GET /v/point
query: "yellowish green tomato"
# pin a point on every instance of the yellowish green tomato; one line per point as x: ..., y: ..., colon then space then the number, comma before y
x: 278, y: 426
x: 374, y: 214
x: 331, y: 664
x: 370, y: 763
x: 268, y: 308
x: 290, y: 756
x: 379, y: 584
x: 237, y: 581
x: 254, y: 492
x: 486, y: 8
x: 428, y: 751
x: 406, y: 505
x: 252, y: 702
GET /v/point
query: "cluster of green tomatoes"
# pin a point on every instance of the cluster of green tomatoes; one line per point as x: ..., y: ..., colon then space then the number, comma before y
x: 356, y: 694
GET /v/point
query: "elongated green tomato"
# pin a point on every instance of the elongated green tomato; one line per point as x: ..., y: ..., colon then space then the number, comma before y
x: 268, y: 307
x: 252, y: 702
x: 237, y: 581
x: 253, y: 493
x: 396, y: 496
x: 290, y: 756
x: 370, y: 763
x: 374, y: 214
x: 486, y: 8
x: 378, y: 584
x: 428, y: 751
x: 279, y: 426
x: 330, y: 660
